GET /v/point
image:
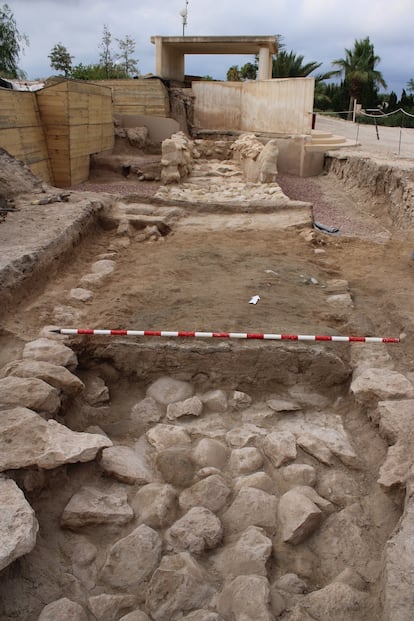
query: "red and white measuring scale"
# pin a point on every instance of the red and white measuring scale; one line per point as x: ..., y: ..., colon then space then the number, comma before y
x: 229, y: 335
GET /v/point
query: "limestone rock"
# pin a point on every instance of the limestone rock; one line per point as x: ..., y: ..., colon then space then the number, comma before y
x: 251, y: 507
x: 310, y: 493
x: 96, y: 392
x: 80, y: 294
x: 396, y: 468
x: 63, y: 609
x: 337, y: 441
x: 338, y: 487
x: 18, y: 524
x: 29, y: 392
x: 283, y: 405
x: 290, y: 583
x: 103, y: 266
x: 396, y: 419
x: 208, y: 471
x: 49, y: 350
x: 298, y: 517
x: 136, y: 615
x: 107, y: 607
x: 137, y: 136
x: 280, y: 447
x: 351, y: 523
x: 239, y: 400
x: 192, y: 406
x: 248, y: 555
x: 210, y: 452
x: 127, y: 465
x: 260, y: 480
x: 202, y: 615
x: 298, y: 474
x: 399, y: 565
x: 211, y: 426
x: 176, y: 466
x: 166, y: 436
x: 247, y: 146
x: 156, y: 505
x: 245, y: 435
x: 198, y: 530
x: 338, y: 601
x: 352, y: 578
x: 133, y: 559
x: 147, y: 411
x: 245, y: 460
x: 166, y: 390
x: 56, y: 375
x: 92, y: 506
x: 298, y: 613
x: 211, y: 492
x: 373, y: 385
x: 94, y: 280
x: 246, y: 598
x: 178, y: 585
x: 267, y: 162
x: 26, y: 439
x: 214, y: 400
x: 340, y: 300
x: 315, y: 447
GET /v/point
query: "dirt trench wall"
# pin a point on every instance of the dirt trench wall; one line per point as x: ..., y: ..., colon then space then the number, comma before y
x: 380, y: 179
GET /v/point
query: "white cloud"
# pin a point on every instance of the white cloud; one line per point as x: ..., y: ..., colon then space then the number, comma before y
x: 318, y: 29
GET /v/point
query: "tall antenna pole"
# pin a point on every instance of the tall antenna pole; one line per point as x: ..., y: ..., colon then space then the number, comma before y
x: 184, y: 15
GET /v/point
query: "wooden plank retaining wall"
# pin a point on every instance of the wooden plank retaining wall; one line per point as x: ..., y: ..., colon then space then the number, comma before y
x: 21, y: 131
x: 55, y: 130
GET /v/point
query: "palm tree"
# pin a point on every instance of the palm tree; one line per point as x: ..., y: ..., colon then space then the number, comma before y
x: 358, y: 69
x: 290, y: 65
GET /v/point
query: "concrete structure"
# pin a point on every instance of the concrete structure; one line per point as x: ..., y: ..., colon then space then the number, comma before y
x: 282, y: 106
x: 170, y: 52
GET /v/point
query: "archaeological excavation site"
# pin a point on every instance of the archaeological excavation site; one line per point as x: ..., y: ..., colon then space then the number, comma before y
x: 206, y: 358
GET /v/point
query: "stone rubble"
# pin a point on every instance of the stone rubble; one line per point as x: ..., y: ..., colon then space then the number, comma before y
x: 209, y: 516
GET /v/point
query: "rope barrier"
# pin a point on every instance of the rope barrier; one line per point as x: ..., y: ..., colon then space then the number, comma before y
x: 228, y: 335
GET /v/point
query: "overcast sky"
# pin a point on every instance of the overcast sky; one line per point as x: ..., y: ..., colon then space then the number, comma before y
x: 320, y: 30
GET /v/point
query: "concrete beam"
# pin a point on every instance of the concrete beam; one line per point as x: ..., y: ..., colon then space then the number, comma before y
x: 170, y: 52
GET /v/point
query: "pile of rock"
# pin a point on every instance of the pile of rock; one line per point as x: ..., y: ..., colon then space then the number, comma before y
x: 177, y: 155
x: 257, y: 161
x: 212, y: 506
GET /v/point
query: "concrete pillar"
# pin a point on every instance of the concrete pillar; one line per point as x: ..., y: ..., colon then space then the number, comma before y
x: 169, y: 62
x: 265, y: 64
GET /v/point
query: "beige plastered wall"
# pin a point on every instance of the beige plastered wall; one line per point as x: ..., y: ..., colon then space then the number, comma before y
x: 280, y: 106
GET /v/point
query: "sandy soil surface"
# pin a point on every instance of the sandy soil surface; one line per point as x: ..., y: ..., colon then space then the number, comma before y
x: 204, y: 280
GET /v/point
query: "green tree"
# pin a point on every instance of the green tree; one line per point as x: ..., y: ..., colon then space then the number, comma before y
x: 127, y: 50
x: 233, y: 74
x: 105, y: 57
x: 290, y: 65
x: 60, y: 59
x: 406, y: 101
x: 249, y: 71
x: 358, y: 68
x: 97, y: 72
x: 392, y: 102
x: 410, y: 85
x: 12, y: 44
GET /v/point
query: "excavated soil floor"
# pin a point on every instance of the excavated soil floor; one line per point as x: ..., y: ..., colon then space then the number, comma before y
x: 203, y: 279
